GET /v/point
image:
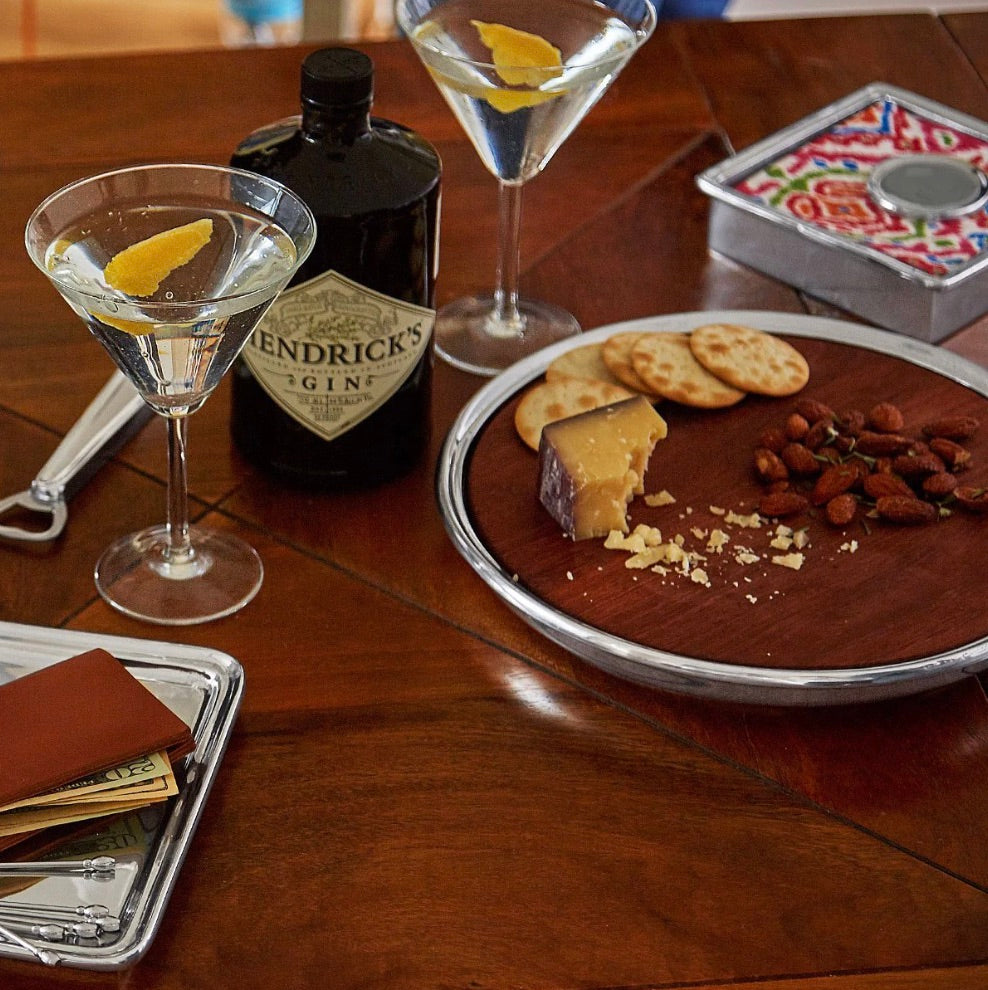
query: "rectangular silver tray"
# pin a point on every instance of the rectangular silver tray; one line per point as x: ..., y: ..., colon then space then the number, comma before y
x: 836, y: 268
x: 204, y: 688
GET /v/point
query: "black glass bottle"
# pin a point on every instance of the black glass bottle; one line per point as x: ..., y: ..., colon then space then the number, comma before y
x: 333, y: 390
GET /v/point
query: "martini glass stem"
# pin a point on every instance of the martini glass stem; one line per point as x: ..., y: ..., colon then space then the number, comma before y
x: 506, y: 320
x: 179, y: 550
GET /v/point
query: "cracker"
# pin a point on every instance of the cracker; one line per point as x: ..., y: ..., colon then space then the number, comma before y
x: 585, y: 363
x: 616, y: 354
x: 549, y: 401
x: 666, y: 365
x: 750, y: 359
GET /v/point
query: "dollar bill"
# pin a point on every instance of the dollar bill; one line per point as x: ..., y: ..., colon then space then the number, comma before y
x: 142, y: 770
x: 30, y: 819
x: 159, y: 787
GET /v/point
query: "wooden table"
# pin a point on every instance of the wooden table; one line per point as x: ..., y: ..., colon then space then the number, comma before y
x: 451, y: 800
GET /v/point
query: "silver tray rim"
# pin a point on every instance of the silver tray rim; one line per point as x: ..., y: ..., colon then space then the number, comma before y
x: 222, y: 678
x: 672, y: 671
x: 718, y: 180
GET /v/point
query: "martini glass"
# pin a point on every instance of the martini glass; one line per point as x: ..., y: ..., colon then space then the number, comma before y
x: 228, y: 242
x: 519, y: 75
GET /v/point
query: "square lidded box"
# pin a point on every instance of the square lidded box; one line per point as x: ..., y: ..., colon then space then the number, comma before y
x: 877, y: 203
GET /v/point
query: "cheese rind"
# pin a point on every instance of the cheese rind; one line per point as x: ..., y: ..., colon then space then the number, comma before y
x: 592, y: 465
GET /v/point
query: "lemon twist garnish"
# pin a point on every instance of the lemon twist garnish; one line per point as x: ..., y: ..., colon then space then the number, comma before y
x: 520, y: 59
x: 133, y: 327
x: 138, y: 270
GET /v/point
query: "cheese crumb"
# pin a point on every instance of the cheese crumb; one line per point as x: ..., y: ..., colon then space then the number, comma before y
x: 794, y: 561
x: 660, y: 498
x: 616, y: 540
x: 651, y: 535
x: 645, y: 559
x: 753, y: 521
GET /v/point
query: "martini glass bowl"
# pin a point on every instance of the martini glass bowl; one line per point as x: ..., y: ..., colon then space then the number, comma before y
x: 171, y: 267
x: 519, y: 75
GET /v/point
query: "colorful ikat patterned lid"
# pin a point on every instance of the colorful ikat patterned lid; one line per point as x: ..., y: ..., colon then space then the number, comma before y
x: 824, y: 182
x: 877, y: 204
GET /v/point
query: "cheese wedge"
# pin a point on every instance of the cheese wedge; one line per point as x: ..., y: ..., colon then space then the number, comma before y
x: 592, y: 465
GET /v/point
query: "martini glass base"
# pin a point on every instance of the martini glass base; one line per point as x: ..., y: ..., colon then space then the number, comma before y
x: 138, y: 577
x: 469, y: 337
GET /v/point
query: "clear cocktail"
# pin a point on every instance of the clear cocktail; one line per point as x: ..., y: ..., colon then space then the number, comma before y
x: 519, y: 76
x: 171, y: 267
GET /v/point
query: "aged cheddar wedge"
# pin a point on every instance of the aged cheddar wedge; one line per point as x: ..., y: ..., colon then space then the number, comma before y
x: 592, y: 465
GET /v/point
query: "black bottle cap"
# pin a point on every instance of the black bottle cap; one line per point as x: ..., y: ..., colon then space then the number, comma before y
x: 337, y: 77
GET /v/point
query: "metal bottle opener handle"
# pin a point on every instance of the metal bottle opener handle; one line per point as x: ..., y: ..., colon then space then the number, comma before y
x: 111, y: 418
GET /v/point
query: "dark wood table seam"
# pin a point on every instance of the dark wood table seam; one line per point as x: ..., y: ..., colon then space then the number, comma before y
x: 763, y: 778
x: 959, y: 42
x: 671, y: 161
x: 679, y: 35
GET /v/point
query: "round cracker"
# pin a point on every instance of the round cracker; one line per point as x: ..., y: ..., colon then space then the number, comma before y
x: 666, y: 365
x: 750, y: 359
x: 549, y: 401
x: 616, y: 354
x: 585, y: 363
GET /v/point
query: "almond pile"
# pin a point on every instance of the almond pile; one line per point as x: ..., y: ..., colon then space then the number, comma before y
x: 866, y: 463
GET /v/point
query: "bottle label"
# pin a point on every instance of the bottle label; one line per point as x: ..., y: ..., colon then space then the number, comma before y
x: 330, y: 351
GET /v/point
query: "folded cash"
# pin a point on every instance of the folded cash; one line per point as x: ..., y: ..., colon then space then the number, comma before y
x: 131, y: 785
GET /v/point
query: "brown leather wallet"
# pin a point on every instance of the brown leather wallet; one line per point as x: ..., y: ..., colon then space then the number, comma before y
x: 77, y: 717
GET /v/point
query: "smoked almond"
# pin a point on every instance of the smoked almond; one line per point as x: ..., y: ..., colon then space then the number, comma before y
x: 876, y: 444
x: 952, y: 427
x: 886, y: 417
x: 779, y: 504
x: 939, y: 485
x: 797, y: 427
x: 841, y: 509
x: 972, y: 498
x: 879, y: 485
x: 769, y: 465
x: 955, y: 456
x: 800, y: 460
x: 835, y: 480
x: 917, y: 465
x: 906, y: 511
x: 812, y: 410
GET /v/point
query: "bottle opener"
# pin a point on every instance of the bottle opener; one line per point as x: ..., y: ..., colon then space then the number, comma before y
x: 111, y: 418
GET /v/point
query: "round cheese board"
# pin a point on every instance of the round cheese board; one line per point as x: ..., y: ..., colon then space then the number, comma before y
x: 843, y: 614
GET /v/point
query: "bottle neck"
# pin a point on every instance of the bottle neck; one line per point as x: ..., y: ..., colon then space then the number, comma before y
x: 341, y: 125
